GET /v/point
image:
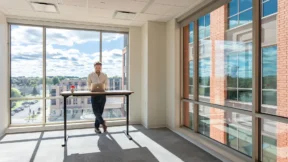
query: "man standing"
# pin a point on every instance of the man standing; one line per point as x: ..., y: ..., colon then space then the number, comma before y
x: 98, y: 102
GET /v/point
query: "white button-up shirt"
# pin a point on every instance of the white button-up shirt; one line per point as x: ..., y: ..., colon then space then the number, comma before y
x: 95, y: 79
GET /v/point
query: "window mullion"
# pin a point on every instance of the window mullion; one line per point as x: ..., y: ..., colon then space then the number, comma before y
x: 44, y: 78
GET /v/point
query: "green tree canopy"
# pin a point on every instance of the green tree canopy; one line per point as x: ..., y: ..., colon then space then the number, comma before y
x: 34, y: 92
x: 56, y: 80
x: 15, y: 92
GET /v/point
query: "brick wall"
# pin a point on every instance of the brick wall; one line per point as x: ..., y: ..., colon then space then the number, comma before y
x: 217, y: 77
x: 282, y: 80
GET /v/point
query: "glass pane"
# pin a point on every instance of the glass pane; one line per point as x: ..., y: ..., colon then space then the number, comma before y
x: 26, y: 61
x: 233, y: 7
x: 80, y: 108
x: 69, y: 61
x: 245, y: 96
x: 274, y: 59
x: 232, y: 94
x: 191, y: 71
x: 232, y: 69
x: 233, y: 21
x: 238, y: 69
x: 270, y: 7
x: 112, y: 58
x: 188, y: 114
x: 269, y: 97
x: 202, y: 34
x: 245, y: 79
x: 204, y: 72
x: 188, y: 64
x: 269, y: 67
x: 191, y: 33
x: 244, y: 4
x: 229, y: 128
x: 274, y: 141
x: 204, y: 91
x: 26, y: 111
x: 245, y: 17
x: 207, y: 25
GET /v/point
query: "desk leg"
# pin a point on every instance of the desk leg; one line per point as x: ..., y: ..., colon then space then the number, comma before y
x: 65, y: 123
x: 127, y: 119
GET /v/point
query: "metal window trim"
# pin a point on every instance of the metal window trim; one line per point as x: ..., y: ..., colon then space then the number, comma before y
x: 67, y: 24
x: 196, y: 76
x: 44, y: 76
x: 43, y: 97
x: 9, y: 73
x: 100, y: 46
x: 229, y: 109
x: 256, y: 94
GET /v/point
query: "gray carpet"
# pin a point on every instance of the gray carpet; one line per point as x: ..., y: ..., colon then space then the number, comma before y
x: 130, y: 155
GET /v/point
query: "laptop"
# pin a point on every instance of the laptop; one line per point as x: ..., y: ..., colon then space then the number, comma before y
x: 97, y: 87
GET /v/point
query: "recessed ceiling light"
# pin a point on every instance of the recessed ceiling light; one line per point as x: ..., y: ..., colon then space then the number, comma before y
x: 124, y: 15
x: 44, y: 7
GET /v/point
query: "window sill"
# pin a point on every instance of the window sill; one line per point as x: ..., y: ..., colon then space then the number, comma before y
x: 216, y: 149
x: 59, y: 126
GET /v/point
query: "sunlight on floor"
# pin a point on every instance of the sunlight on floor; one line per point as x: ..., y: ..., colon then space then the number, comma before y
x: 14, y: 147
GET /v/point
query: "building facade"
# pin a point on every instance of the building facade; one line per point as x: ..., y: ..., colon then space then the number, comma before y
x: 225, y: 75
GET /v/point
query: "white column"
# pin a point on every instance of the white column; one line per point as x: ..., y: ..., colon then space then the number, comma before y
x: 4, y: 106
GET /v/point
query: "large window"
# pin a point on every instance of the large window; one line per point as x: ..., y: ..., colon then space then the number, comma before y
x: 239, y: 73
x: 238, y: 126
x: 204, y: 57
x: 240, y: 11
x: 238, y: 83
x: 69, y: 58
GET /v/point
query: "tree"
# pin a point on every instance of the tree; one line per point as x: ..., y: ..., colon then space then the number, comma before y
x: 34, y: 92
x: 15, y: 92
x: 56, y: 80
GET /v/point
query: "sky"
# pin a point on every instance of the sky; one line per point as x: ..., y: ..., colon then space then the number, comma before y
x: 68, y: 52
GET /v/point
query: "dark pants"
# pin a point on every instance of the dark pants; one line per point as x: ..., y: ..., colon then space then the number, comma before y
x: 98, y: 104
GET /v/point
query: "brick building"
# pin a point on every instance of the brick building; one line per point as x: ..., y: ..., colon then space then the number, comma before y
x: 225, y: 49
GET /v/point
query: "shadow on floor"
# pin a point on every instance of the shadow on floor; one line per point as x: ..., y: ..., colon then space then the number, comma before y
x: 151, y: 144
x: 129, y: 155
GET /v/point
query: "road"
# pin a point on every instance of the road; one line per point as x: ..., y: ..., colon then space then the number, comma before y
x: 22, y: 117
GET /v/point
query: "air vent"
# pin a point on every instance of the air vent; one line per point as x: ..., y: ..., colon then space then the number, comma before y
x: 44, y: 7
x: 124, y: 15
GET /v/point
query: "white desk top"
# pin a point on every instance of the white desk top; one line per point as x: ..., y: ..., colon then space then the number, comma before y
x: 88, y: 93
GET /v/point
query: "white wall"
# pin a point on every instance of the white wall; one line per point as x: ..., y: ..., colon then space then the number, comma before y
x: 4, y: 114
x: 154, y: 75
x: 135, y: 49
x: 173, y: 75
x: 144, y: 74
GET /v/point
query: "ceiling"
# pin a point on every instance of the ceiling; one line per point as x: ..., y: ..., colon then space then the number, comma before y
x: 101, y: 11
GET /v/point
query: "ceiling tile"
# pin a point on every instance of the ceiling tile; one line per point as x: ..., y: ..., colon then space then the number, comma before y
x: 175, y: 2
x: 71, y: 10
x: 151, y: 17
x: 161, y: 9
x: 21, y: 4
x: 98, y: 12
x: 79, y: 3
x: 123, y: 5
x: 158, y: 9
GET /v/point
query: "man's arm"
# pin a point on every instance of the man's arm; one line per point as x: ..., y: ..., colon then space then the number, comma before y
x: 106, y: 83
x: 89, y: 82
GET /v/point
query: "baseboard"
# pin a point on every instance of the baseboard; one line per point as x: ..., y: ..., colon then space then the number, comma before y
x: 55, y: 127
x: 216, y: 149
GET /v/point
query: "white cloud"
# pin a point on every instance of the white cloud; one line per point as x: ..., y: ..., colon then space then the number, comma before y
x: 27, y: 53
x: 33, y: 35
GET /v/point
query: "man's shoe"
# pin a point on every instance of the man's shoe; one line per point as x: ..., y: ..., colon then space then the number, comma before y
x: 97, y: 131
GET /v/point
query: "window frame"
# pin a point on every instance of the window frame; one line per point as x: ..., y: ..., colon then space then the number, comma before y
x: 44, y: 97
